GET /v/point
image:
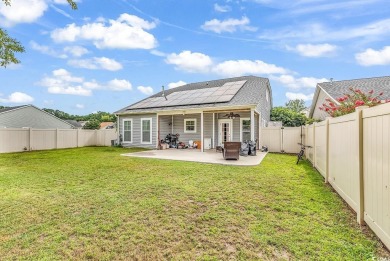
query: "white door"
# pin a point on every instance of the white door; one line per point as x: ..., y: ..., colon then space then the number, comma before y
x: 224, y: 131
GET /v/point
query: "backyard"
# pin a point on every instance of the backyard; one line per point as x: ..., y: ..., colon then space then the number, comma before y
x: 92, y: 203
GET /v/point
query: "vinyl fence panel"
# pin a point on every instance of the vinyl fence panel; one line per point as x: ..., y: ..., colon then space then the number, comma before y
x: 376, y: 170
x: 44, y: 139
x: 291, y: 138
x: 104, y: 137
x: 344, y: 158
x: 14, y: 140
x: 321, y: 146
x: 309, y: 137
x: 272, y: 138
x: 67, y: 138
x: 87, y: 138
x: 17, y: 140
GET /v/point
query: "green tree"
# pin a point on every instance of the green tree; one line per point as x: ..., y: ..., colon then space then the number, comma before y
x: 288, y: 117
x: 10, y: 46
x: 92, y: 125
x: 296, y: 105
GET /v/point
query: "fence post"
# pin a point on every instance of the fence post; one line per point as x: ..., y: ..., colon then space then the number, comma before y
x: 281, y: 139
x: 327, y: 149
x: 57, y: 138
x: 78, y: 138
x: 359, y: 126
x: 314, y: 146
x: 30, y: 139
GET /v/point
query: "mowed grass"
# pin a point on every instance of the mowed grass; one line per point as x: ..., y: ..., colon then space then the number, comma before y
x: 92, y: 203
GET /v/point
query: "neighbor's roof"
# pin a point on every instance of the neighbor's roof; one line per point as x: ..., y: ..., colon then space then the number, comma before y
x: 105, y: 124
x: 337, y: 89
x: 11, y: 108
x: 75, y: 123
x: 249, y: 94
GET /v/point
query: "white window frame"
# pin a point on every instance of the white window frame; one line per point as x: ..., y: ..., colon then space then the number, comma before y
x: 185, y: 125
x: 241, y: 124
x: 131, y: 130
x: 142, y: 131
x: 267, y: 95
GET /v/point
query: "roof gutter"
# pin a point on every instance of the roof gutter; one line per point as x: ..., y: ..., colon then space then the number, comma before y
x: 189, y: 110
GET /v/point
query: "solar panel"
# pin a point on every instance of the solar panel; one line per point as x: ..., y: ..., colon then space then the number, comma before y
x: 223, y: 93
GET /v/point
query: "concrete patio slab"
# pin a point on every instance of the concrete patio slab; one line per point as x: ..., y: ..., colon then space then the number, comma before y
x: 209, y: 156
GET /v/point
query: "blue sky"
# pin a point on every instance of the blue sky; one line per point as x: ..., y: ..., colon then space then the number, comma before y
x: 109, y: 54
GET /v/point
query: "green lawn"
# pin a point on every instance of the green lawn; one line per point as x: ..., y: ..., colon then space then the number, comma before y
x: 92, y: 203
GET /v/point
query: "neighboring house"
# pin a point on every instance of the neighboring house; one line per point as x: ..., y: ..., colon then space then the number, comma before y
x: 29, y: 116
x: 336, y: 89
x: 107, y: 125
x: 76, y: 124
x: 198, y: 112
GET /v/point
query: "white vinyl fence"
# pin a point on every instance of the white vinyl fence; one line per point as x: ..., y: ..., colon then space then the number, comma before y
x: 16, y: 140
x: 281, y: 139
x: 352, y: 153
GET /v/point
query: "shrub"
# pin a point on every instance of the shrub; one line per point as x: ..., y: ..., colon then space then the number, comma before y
x: 349, y: 102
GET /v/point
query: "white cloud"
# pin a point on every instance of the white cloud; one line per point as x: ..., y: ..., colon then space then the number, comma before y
x: 201, y: 63
x: 319, y: 32
x: 298, y: 83
x: 96, y: 63
x: 228, y: 25
x: 373, y: 57
x: 314, y: 50
x: 47, y: 50
x: 158, y: 53
x: 300, y: 96
x: 17, y: 97
x: 176, y: 84
x: 189, y: 61
x: 80, y: 106
x: 76, y: 51
x: 245, y: 67
x: 119, y: 85
x: 222, y: 8
x: 21, y: 11
x: 127, y: 32
x: 62, y: 82
x: 145, y: 90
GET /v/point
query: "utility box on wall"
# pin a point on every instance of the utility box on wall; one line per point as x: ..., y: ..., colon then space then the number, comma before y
x: 207, y: 143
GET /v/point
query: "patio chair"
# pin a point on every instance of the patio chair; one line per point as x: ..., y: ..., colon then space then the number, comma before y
x: 231, y: 150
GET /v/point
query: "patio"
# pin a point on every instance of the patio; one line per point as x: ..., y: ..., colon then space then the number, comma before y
x: 208, y: 156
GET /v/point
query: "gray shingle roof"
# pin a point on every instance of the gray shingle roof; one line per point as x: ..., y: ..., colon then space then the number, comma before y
x: 250, y: 93
x: 75, y: 124
x: 337, y: 89
x: 11, y: 108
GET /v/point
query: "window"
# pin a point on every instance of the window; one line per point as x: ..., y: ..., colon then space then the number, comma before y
x: 146, y: 131
x: 245, y: 129
x: 127, y: 130
x: 190, y: 126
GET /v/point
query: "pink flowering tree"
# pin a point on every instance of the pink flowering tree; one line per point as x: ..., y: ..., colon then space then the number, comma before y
x: 349, y: 102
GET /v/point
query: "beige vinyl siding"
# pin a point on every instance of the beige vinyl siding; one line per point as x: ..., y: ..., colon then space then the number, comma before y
x: 136, y: 122
x: 31, y: 117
